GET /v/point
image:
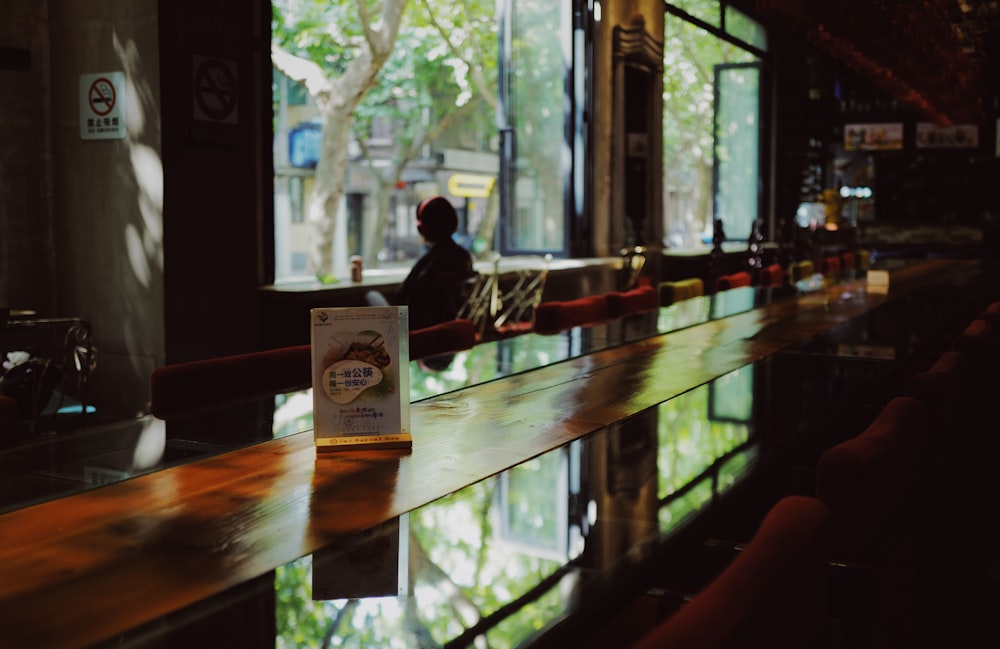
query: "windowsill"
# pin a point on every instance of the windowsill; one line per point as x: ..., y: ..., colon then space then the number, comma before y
x: 727, y: 247
x: 381, y: 277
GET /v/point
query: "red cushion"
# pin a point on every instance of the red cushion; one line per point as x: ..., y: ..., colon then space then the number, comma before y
x: 197, y: 385
x: 979, y: 341
x: 555, y: 316
x: 726, y: 282
x: 621, y: 303
x: 830, y: 266
x: 442, y: 338
x: 847, y: 260
x: 991, y: 314
x: 773, y: 594
x: 867, y: 479
x: 773, y: 275
x: 941, y: 386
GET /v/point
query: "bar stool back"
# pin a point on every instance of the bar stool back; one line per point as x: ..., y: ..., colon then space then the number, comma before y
x: 636, y: 300
x: 443, y: 338
x: 193, y: 386
x: 555, y: 316
x: 773, y: 275
x: 773, y: 594
x: 733, y: 280
x: 870, y: 483
x: 683, y: 289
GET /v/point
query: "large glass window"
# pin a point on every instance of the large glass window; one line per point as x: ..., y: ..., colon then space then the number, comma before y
x: 536, y: 58
x: 470, y: 103
x: 711, y: 121
x: 736, y: 149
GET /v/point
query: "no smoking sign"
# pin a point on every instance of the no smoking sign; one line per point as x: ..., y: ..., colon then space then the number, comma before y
x: 216, y: 90
x: 102, y: 106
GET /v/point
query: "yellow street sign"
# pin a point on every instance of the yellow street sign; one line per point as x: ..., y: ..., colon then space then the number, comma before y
x: 470, y: 185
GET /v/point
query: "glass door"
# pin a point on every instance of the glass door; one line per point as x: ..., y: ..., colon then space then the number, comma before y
x: 736, y: 148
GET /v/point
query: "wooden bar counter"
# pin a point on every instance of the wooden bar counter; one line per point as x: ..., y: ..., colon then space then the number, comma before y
x: 82, y: 570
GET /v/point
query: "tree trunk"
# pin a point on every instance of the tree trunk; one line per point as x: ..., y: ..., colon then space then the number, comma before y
x: 337, y: 103
x: 328, y: 188
x: 374, y: 227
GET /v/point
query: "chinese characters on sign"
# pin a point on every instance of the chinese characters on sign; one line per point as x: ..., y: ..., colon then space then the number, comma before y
x: 360, y: 363
x: 102, y: 106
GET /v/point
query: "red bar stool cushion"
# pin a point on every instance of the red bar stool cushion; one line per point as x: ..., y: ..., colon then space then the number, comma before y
x: 198, y: 385
x: 773, y: 594
x: 442, y: 338
x: 622, y: 303
x: 773, y: 275
x: 556, y: 316
x: 733, y: 280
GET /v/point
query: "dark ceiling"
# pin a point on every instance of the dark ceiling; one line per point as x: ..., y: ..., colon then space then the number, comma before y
x: 938, y: 56
x: 975, y: 22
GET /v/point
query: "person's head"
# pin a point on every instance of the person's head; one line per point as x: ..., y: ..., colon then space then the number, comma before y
x: 436, y: 219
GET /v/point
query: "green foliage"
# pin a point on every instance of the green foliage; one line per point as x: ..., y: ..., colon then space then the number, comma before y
x: 323, y: 31
x: 690, y: 440
x: 425, y: 78
x: 301, y: 622
x: 536, y: 111
x: 690, y: 54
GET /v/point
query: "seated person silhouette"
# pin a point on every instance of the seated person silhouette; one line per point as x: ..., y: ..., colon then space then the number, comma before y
x: 433, y: 290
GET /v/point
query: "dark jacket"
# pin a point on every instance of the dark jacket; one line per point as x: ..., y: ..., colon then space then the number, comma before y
x: 434, y: 289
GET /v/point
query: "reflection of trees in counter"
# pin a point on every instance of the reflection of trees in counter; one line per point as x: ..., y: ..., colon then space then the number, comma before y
x: 459, y: 537
x: 459, y: 572
x: 690, y: 442
x: 461, y: 372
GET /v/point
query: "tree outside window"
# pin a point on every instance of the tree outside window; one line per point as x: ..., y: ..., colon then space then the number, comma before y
x: 404, y: 97
x: 692, y: 54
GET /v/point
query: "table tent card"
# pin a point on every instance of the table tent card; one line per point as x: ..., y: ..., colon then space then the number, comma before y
x: 361, y: 378
x: 877, y: 281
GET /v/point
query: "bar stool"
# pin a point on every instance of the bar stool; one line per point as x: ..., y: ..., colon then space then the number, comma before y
x: 991, y: 314
x: 683, y: 289
x: 193, y: 386
x: 830, y: 266
x: 773, y: 275
x: 980, y: 343
x: 870, y: 482
x: 942, y: 387
x: 773, y: 593
x: 555, y: 316
x: 801, y: 270
x: 733, y: 280
x: 636, y: 300
x: 443, y: 338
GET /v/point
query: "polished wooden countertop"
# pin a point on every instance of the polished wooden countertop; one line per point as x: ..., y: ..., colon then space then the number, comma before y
x: 81, y: 569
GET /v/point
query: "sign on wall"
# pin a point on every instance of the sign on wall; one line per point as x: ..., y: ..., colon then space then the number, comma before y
x: 216, y: 90
x: 873, y: 137
x: 956, y: 136
x: 102, y: 106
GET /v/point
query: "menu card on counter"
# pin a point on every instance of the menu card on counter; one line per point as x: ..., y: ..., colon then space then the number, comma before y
x: 877, y: 281
x: 361, y: 378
